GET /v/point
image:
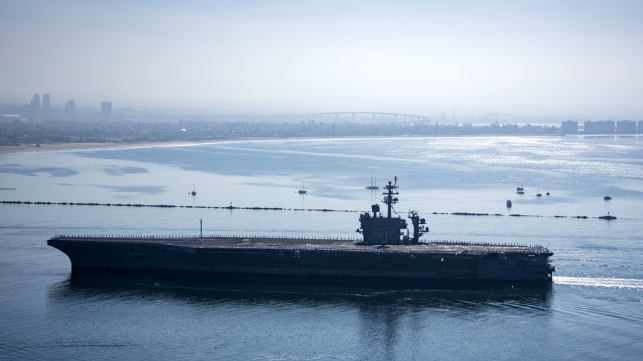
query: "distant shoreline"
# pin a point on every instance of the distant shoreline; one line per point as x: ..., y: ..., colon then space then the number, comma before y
x: 32, y: 148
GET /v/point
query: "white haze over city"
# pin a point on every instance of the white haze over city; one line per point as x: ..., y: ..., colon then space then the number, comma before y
x: 579, y: 59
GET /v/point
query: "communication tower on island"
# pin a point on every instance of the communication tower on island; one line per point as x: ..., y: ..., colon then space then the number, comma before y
x: 378, y: 229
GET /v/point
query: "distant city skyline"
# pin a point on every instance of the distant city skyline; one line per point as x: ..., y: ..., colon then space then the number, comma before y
x: 37, y: 111
x: 482, y: 116
x: 569, y: 59
x: 520, y: 114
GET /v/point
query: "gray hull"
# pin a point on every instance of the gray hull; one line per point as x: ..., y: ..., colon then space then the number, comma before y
x: 280, y: 258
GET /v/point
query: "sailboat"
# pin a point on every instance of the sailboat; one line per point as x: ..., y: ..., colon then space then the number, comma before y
x: 520, y: 190
x: 193, y: 189
x: 547, y: 190
x: 303, y: 189
x: 538, y: 194
x: 373, y: 185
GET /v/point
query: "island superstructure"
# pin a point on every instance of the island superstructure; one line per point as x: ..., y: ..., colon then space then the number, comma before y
x: 386, y: 254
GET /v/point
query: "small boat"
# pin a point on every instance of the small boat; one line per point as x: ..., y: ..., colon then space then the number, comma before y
x: 547, y: 191
x: 538, y: 194
x: 607, y: 198
x: 303, y: 189
x: 509, y: 204
x: 373, y: 185
x: 607, y: 217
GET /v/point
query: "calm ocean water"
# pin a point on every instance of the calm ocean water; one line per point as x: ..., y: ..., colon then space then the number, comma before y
x: 594, y: 309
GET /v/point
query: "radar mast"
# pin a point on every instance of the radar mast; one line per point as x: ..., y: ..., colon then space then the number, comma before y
x: 389, y: 200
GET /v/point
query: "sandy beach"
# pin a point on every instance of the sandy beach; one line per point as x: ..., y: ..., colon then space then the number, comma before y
x: 29, y: 148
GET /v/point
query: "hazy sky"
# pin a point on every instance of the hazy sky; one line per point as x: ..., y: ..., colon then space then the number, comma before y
x: 415, y: 56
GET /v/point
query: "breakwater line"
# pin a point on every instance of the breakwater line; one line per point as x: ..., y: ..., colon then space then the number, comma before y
x: 607, y: 217
x: 138, y: 205
x: 231, y: 207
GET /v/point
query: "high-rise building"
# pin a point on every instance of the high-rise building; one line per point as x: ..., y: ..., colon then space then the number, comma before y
x: 607, y: 127
x: 625, y: 127
x: 590, y: 127
x: 106, y: 110
x: 46, y: 105
x: 600, y: 127
x: 70, y: 109
x: 35, y: 106
x: 569, y: 127
x: 25, y: 111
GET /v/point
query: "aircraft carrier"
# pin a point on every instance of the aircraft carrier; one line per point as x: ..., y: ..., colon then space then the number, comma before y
x: 386, y: 254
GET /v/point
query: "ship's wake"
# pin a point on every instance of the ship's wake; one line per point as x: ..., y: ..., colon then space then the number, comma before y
x: 599, y: 282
